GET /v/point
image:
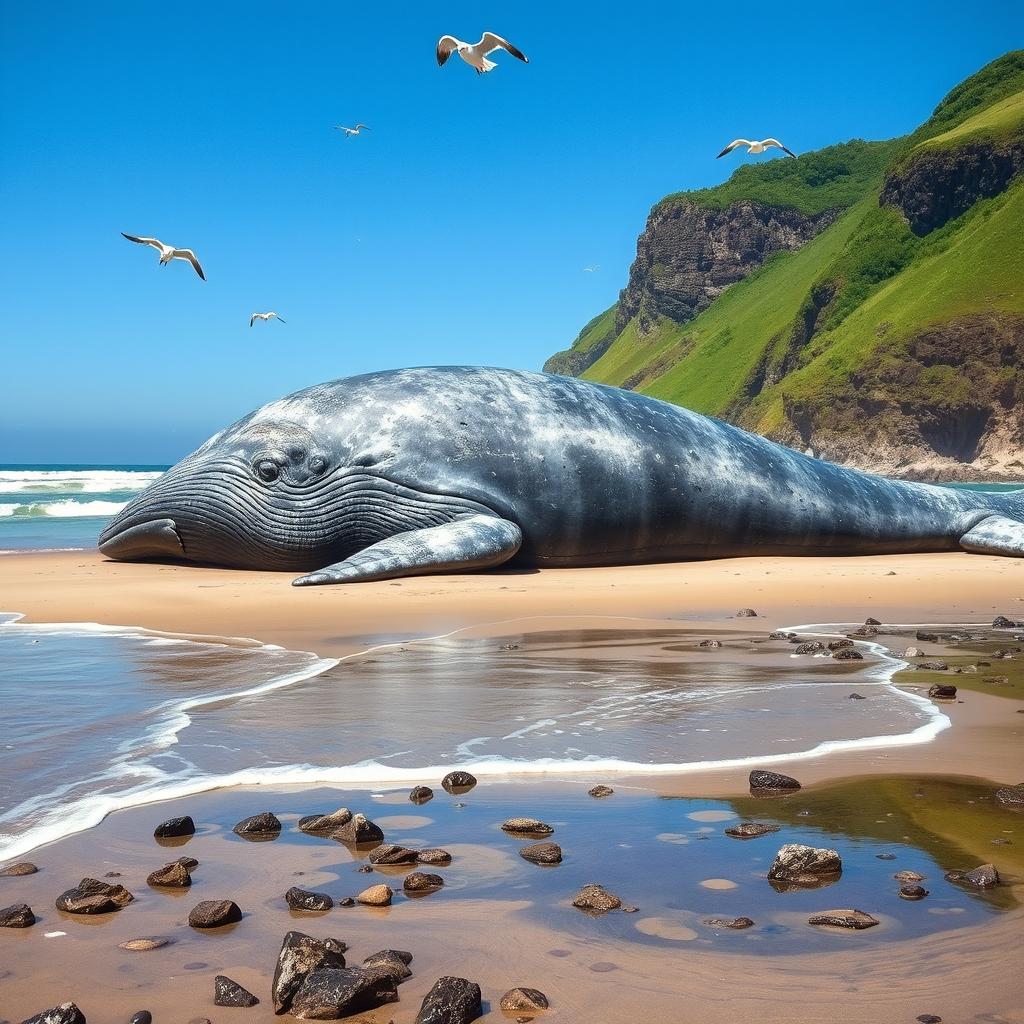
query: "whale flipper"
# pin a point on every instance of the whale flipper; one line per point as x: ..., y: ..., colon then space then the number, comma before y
x: 476, y: 542
x: 995, y: 535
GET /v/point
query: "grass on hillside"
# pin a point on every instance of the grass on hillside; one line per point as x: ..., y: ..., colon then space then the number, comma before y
x: 1003, y: 119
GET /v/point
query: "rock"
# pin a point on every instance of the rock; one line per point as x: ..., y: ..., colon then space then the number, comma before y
x: 925, y: 637
x: 542, y: 853
x: 376, y: 896
x: 318, y: 823
x: 21, y: 868
x: 928, y: 1018
x: 346, y: 901
x: 422, y: 881
x: 908, y: 876
x: 421, y: 794
x: 188, y: 863
x: 805, y: 865
x: 810, y: 647
x: 171, y: 876
x: 389, y: 854
x: 330, y: 993
x: 229, y: 993
x: 260, y: 825
x: 600, y: 791
x: 844, y: 919
x: 735, y: 923
x: 942, y: 691
x: 434, y: 857
x: 1011, y: 796
x: 358, y: 831
x: 141, y: 1017
x: 746, y: 613
x: 710, y: 643
x: 885, y: 856
x: 66, y: 1013
x: 144, y: 945
x: 913, y: 652
x: 781, y: 635
x: 451, y: 1001
x: 847, y: 654
x: 175, y: 828
x: 865, y: 631
x: 91, y: 896
x: 458, y: 782
x: 303, y: 899
x: 527, y: 827
x: 912, y: 891
x: 596, y: 898
x: 300, y: 955
x: 395, y: 961
x: 869, y: 621
x: 932, y: 666
x: 214, y: 913
x: 856, y: 696
x: 771, y: 781
x: 751, y: 829
x: 523, y: 1000
x: 1002, y: 622
x: 19, y: 915
x: 839, y: 645
x: 984, y: 876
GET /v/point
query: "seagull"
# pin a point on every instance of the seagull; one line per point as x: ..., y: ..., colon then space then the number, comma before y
x: 349, y: 132
x: 265, y: 316
x: 475, y: 54
x: 168, y: 252
x: 755, y: 147
x: 593, y: 269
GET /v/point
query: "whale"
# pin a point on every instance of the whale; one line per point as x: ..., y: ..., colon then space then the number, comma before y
x: 448, y: 469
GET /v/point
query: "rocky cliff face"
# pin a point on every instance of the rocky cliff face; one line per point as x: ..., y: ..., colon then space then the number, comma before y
x: 689, y: 254
x: 939, y: 185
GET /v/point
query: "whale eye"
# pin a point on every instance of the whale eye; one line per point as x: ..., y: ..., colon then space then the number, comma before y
x: 317, y: 464
x: 267, y: 470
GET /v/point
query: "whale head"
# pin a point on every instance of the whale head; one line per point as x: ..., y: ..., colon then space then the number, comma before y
x: 262, y: 494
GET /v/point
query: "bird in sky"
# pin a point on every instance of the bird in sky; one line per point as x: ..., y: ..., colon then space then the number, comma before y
x: 592, y: 269
x: 755, y: 147
x: 265, y: 316
x: 475, y: 54
x: 349, y: 132
x: 168, y: 252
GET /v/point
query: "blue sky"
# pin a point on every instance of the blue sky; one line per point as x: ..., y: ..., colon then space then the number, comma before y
x: 456, y: 231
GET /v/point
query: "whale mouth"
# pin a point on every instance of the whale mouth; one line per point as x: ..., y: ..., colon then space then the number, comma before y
x: 158, y: 538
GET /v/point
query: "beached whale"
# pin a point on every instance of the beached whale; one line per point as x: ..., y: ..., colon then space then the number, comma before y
x: 449, y: 468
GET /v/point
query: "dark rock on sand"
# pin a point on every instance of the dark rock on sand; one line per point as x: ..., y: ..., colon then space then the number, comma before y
x: 229, y: 993
x: 596, y: 898
x: 844, y: 919
x: 300, y: 955
x: 928, y: 1018
x: 451, y: 1001
x: 865, y: 631
x: 358, y: 830
x: 1011, y: 796
x: 542, y: 853
x: 422, y: 881
x: 22, y: 868
x: 436, y: 857
x: 932, y: 666
x: 1002, y: 622
x: 847, y: 654
x: 805, y: 865
x: 390, y: 854
x: 984, y: 876
x: 912, y: 891
x: 303, y: 899
x: 771, y: 781
x: 746, y: 613
x: 869, y: 621
x: 141, y: 1017
x: 265, y: 824
x: 839, y: 645
x: 710, y: 643
x: 214, y: 913
x: 735, y: 923
x: 421, y: 794
x: 17, y: 916
x: 526, y: 827
x: 330, y: 993
x: 317, y: 823
x: 810, y: 647
x: 376, y: 896
x: 171, y: 876
x: 600, y: 791
x: 523, y: 1000
x: 395, y: 961
x: 91, y: 896
x: 856, y: 696
x: 144, y: 945
x: 458, y: 782
x: 751, y: 829
x: 66, y: 1013
x: 944, y: 691
x: 175, y: 828
x: 346, y: 901
x: 781, y: 634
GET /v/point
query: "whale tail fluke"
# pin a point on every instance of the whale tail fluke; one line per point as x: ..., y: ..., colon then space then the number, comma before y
x: 995, y: 535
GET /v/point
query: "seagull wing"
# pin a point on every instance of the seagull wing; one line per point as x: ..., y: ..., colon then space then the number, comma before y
x: 365, y: 128
x: 281, y: 319
x: 775, y: 142
x: 446, y: 46
x: 188, y: 254
x: 155, y: 242
x: 252, y: 319
x: 491, y: 42
x: 732, y: 145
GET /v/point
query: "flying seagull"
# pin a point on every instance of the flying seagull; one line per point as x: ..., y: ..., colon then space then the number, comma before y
x: 755, y: 147
x: 349, y: 132
x: 592, y: 270
x: 265, y: 316
x: 475, y: 54
x: 168, y: 252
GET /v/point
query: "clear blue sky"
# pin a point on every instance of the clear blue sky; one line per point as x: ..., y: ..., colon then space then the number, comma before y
x: 456, y: 231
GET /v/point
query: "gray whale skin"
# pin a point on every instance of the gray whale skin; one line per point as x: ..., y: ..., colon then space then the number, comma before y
x: 447, y: 469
